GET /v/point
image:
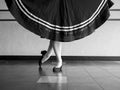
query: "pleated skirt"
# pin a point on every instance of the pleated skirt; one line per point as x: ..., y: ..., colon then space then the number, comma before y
x: 60, y: 20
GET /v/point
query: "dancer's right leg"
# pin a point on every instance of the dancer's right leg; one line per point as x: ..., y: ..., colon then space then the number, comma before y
x: 49, y: 52
x: 57, y: 46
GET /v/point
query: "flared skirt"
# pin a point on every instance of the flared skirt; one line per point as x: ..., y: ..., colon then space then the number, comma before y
x: 60, y: 20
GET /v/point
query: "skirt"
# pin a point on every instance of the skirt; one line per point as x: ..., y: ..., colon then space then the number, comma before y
x: 60, y: 20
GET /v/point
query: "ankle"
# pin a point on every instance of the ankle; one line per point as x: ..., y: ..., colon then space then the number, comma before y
x: 59, y: 64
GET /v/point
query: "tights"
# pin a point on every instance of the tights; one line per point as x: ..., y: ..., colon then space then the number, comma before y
x: 56, y: 46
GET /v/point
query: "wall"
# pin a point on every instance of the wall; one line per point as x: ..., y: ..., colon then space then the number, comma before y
x: 15, y: 40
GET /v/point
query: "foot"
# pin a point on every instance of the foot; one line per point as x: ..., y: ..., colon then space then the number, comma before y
x: 45, y: 57
x: 43, y: 53
x: 59, y: 64
x: 43, y: 61
x: 58, y: 68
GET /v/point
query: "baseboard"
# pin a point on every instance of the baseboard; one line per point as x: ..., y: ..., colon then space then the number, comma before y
x: 65, y: 58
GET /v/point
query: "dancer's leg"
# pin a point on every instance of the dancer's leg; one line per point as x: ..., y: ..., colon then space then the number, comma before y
x: 57, y: 46
x: 49, y: 52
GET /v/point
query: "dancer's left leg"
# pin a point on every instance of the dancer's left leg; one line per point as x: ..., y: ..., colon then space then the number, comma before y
x: 49, y: 52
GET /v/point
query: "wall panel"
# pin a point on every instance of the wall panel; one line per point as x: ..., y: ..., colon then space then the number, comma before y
x: 16, y: 40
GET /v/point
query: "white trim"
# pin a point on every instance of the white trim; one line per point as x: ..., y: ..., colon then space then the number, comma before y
x: 56, y: 27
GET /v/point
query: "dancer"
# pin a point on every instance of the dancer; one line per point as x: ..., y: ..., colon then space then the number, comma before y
x: 60, y: 20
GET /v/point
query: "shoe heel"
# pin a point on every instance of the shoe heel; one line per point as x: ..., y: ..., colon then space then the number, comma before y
x: 56, y: 70
x: 43, y: 52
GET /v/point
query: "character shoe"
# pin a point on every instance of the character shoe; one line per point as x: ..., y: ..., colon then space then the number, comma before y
x: 56, y: 70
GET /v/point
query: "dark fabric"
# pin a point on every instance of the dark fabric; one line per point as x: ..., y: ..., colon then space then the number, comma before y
x: 63, y: 13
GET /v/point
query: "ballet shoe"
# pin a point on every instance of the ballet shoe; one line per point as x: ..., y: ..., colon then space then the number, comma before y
x: 43, y: 53
x: 56, y: 69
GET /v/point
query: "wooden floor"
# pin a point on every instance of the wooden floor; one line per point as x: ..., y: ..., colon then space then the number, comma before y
x: 80, y: 75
